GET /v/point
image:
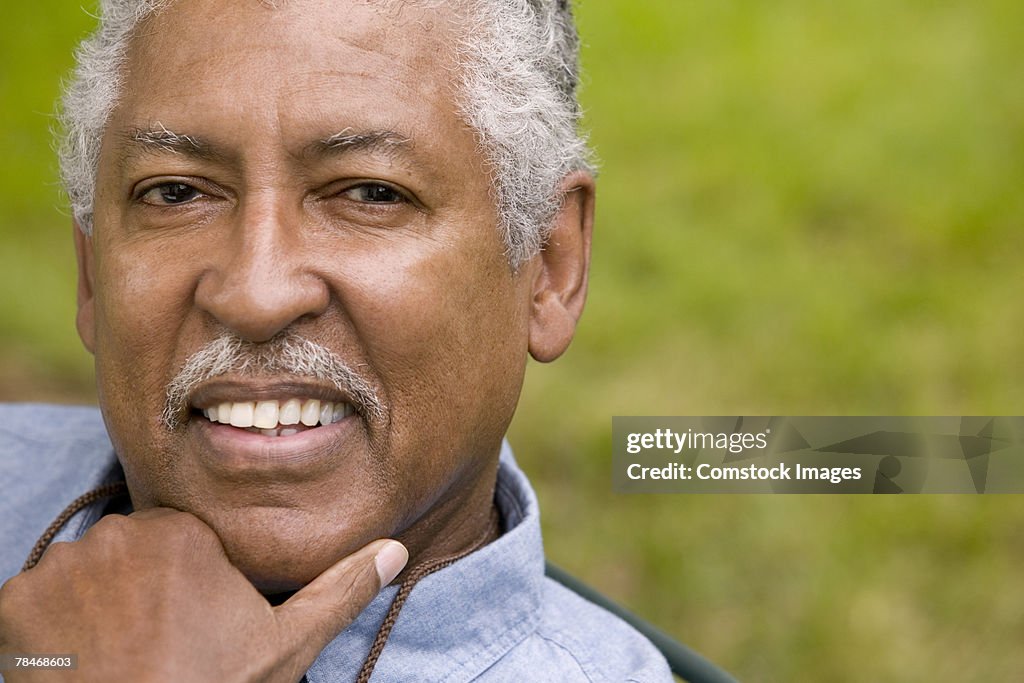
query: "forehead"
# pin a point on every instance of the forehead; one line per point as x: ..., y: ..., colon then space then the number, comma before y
x: 397, y: 26
x: 291, y: 66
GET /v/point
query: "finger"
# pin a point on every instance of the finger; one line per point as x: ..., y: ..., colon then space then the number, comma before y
x: 156, y: 513
x: 315, y: 615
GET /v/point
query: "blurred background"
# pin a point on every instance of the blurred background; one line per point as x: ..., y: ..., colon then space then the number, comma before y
x: 805, y: 208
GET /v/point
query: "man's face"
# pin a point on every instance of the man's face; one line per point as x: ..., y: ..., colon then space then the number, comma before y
x: 302, y: 170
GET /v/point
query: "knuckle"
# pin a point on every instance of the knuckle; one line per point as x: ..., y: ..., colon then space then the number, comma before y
x: 108, y: 526
x: 11, y: 589
x: 192, y: 525
x: 173, y: 525
x: 15, y: 593
x: 169, y: 529
x: 111, y: 534
x: 59, y: 551
x: 188, y: 530
x: 56, y: 555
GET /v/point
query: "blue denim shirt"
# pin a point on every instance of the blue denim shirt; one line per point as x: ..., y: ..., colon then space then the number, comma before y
x: 491, y: 616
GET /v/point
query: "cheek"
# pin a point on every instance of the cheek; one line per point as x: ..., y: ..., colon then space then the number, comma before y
x: 446, y: 332
x: 139, y: 313
x: 140, y: 299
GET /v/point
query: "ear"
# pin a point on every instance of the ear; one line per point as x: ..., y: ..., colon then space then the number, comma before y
x: 85, y: 320
x: 560, y: 283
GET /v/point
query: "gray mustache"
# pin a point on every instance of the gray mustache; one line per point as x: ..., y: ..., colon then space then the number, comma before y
x: 287, y: 352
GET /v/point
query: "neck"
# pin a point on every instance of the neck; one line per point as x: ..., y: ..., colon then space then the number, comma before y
x: 455, y: 528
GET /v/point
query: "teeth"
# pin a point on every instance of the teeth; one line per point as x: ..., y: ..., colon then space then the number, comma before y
x: 326, y: 412
x: 291, y: 412
x: 310, y: 413
x: 268, y: 417
x: 242, y: 414
x: 265, y: 415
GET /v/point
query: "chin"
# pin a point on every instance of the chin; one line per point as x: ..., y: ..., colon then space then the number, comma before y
x: 278, y: 555
x: 273, y: 569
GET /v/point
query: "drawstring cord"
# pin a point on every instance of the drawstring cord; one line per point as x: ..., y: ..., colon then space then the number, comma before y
x: 492, y: 532
x: 106, y: 491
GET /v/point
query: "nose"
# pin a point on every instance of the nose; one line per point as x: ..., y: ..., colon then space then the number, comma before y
x: 262, y: 277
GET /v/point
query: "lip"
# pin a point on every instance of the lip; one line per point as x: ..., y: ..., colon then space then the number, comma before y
x: 236, y: 453
x: 233, y: 452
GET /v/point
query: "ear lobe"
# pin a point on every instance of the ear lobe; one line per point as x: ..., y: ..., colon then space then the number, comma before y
x: 86, y: 318
x: 560, y: 285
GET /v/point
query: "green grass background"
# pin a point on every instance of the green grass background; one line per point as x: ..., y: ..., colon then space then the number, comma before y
x: 804, y: 208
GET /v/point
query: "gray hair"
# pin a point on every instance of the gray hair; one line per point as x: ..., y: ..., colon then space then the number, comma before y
x: 287, y: 352
x: 518, y: 79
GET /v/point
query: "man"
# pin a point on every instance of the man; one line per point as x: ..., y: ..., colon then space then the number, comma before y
x: 316, y: 240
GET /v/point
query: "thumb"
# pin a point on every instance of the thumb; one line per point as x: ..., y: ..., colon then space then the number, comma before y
x: 315, y: 615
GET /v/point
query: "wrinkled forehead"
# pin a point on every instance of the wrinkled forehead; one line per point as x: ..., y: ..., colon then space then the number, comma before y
x: 291, y: 64
x: 398, y: 26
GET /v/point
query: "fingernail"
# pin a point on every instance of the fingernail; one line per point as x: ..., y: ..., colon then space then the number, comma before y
x: 390, y: 560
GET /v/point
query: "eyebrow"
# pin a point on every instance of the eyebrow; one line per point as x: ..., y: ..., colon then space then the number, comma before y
x: 384, y: 142
x: 159, y: 139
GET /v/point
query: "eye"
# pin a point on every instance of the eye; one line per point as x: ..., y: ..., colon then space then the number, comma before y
x: 374, y: 193
x: 170, y: 194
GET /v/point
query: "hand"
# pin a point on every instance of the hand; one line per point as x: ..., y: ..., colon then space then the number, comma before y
x: 152, y: 597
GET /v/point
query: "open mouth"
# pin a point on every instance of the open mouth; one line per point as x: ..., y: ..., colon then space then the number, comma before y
x: 276, y: 418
